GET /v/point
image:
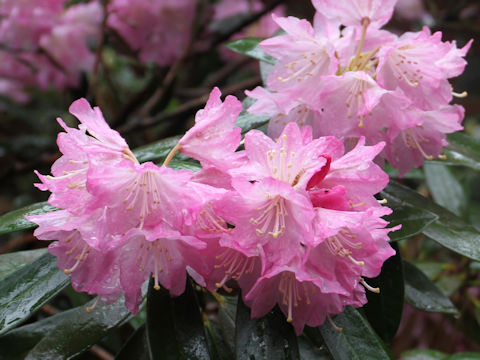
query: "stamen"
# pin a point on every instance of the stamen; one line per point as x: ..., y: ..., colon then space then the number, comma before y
x: 91, y: 308
x: 339, y: 329
x: 383, y: 201
x: 460, y: 95
x: 368, y: 287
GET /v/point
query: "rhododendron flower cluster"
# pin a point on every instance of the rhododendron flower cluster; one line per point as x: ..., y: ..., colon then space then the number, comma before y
x: 159, y: 30
x: 44, y: 44
x: 346, y: 77
x: 293, y: 220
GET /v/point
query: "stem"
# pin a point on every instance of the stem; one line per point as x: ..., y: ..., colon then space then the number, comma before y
x: 172, y: 153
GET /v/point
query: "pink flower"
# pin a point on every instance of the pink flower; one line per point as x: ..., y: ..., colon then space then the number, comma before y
x: 102, y: 146
x: 353, y: 12
x: 282, y: 109
x: 68, y: 40
x: 158, y: 30
x: 302, y: 57
x: 161, y: 251
x: 214, y: 138
x: 90, y: 269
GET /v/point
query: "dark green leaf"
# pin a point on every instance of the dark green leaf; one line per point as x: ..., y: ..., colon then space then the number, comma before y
x: 423, y: 354
x: 136, y: 346
x: 449, y: 230
x: 28, y: 289
x: 384, y: 310
x: 423, y: 294
x: 79, y: 330
x: 309, y: 351
x: 157, y: 150
x: 357, y: 340
x: 248, y: 121
x: 174, y: 325
x: 270, y: 337
x: 445, y: 188
x: 227, y: 313
x: 184, y: 165
x: 217, y: 346
x: 463, y: 150
x: 412, y: 219
x: 13, y: 261
x: 15, y: 220
x: 250, y: 47
x: 18, y: 342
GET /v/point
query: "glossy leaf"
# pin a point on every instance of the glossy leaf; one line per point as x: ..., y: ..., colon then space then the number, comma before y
x: 174, y: 325
x: 26, y: 290
x: 13, y: 261
x: 227, y: 313
x: 449, y: 230
x: 412, y: 219
x: 15, y: 220
x: 217, y: 345
x: 445, y: 188
x: 18, y: 342
x: 423, y: 354
x: 157, y: 150
x: 250, y: 47
x: 79, y: 330
x: 249, y: 121
x: 136, y: 346
x: 309, y: 351
x: 463, y: 150
x: 423, y: 294
x: 269, y: 337
x: 357, y: 340
x: 384, y: 310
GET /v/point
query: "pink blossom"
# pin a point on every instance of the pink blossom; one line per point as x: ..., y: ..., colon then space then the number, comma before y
x: 282, y: 109
x: 161, y: 251
x: 214, y: 138
x: 158, y: 30
x: 90, y: 269
x: 302, y: 57
x: 68, y: 40
x: 353, y: 12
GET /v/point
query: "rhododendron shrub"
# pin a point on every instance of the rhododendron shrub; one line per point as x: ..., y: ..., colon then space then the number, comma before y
x: 272, y: 227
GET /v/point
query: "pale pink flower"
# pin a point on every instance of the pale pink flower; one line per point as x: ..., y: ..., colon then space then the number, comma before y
x: 425, y: 139
x: 353, y: 12
x: 282, y: 109
x: 420, y: 64
x: 67, y: 42
x: 302, y: 57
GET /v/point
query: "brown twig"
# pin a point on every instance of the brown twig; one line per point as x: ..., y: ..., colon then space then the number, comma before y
x: 98, y: 52
x: 186, y: 107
